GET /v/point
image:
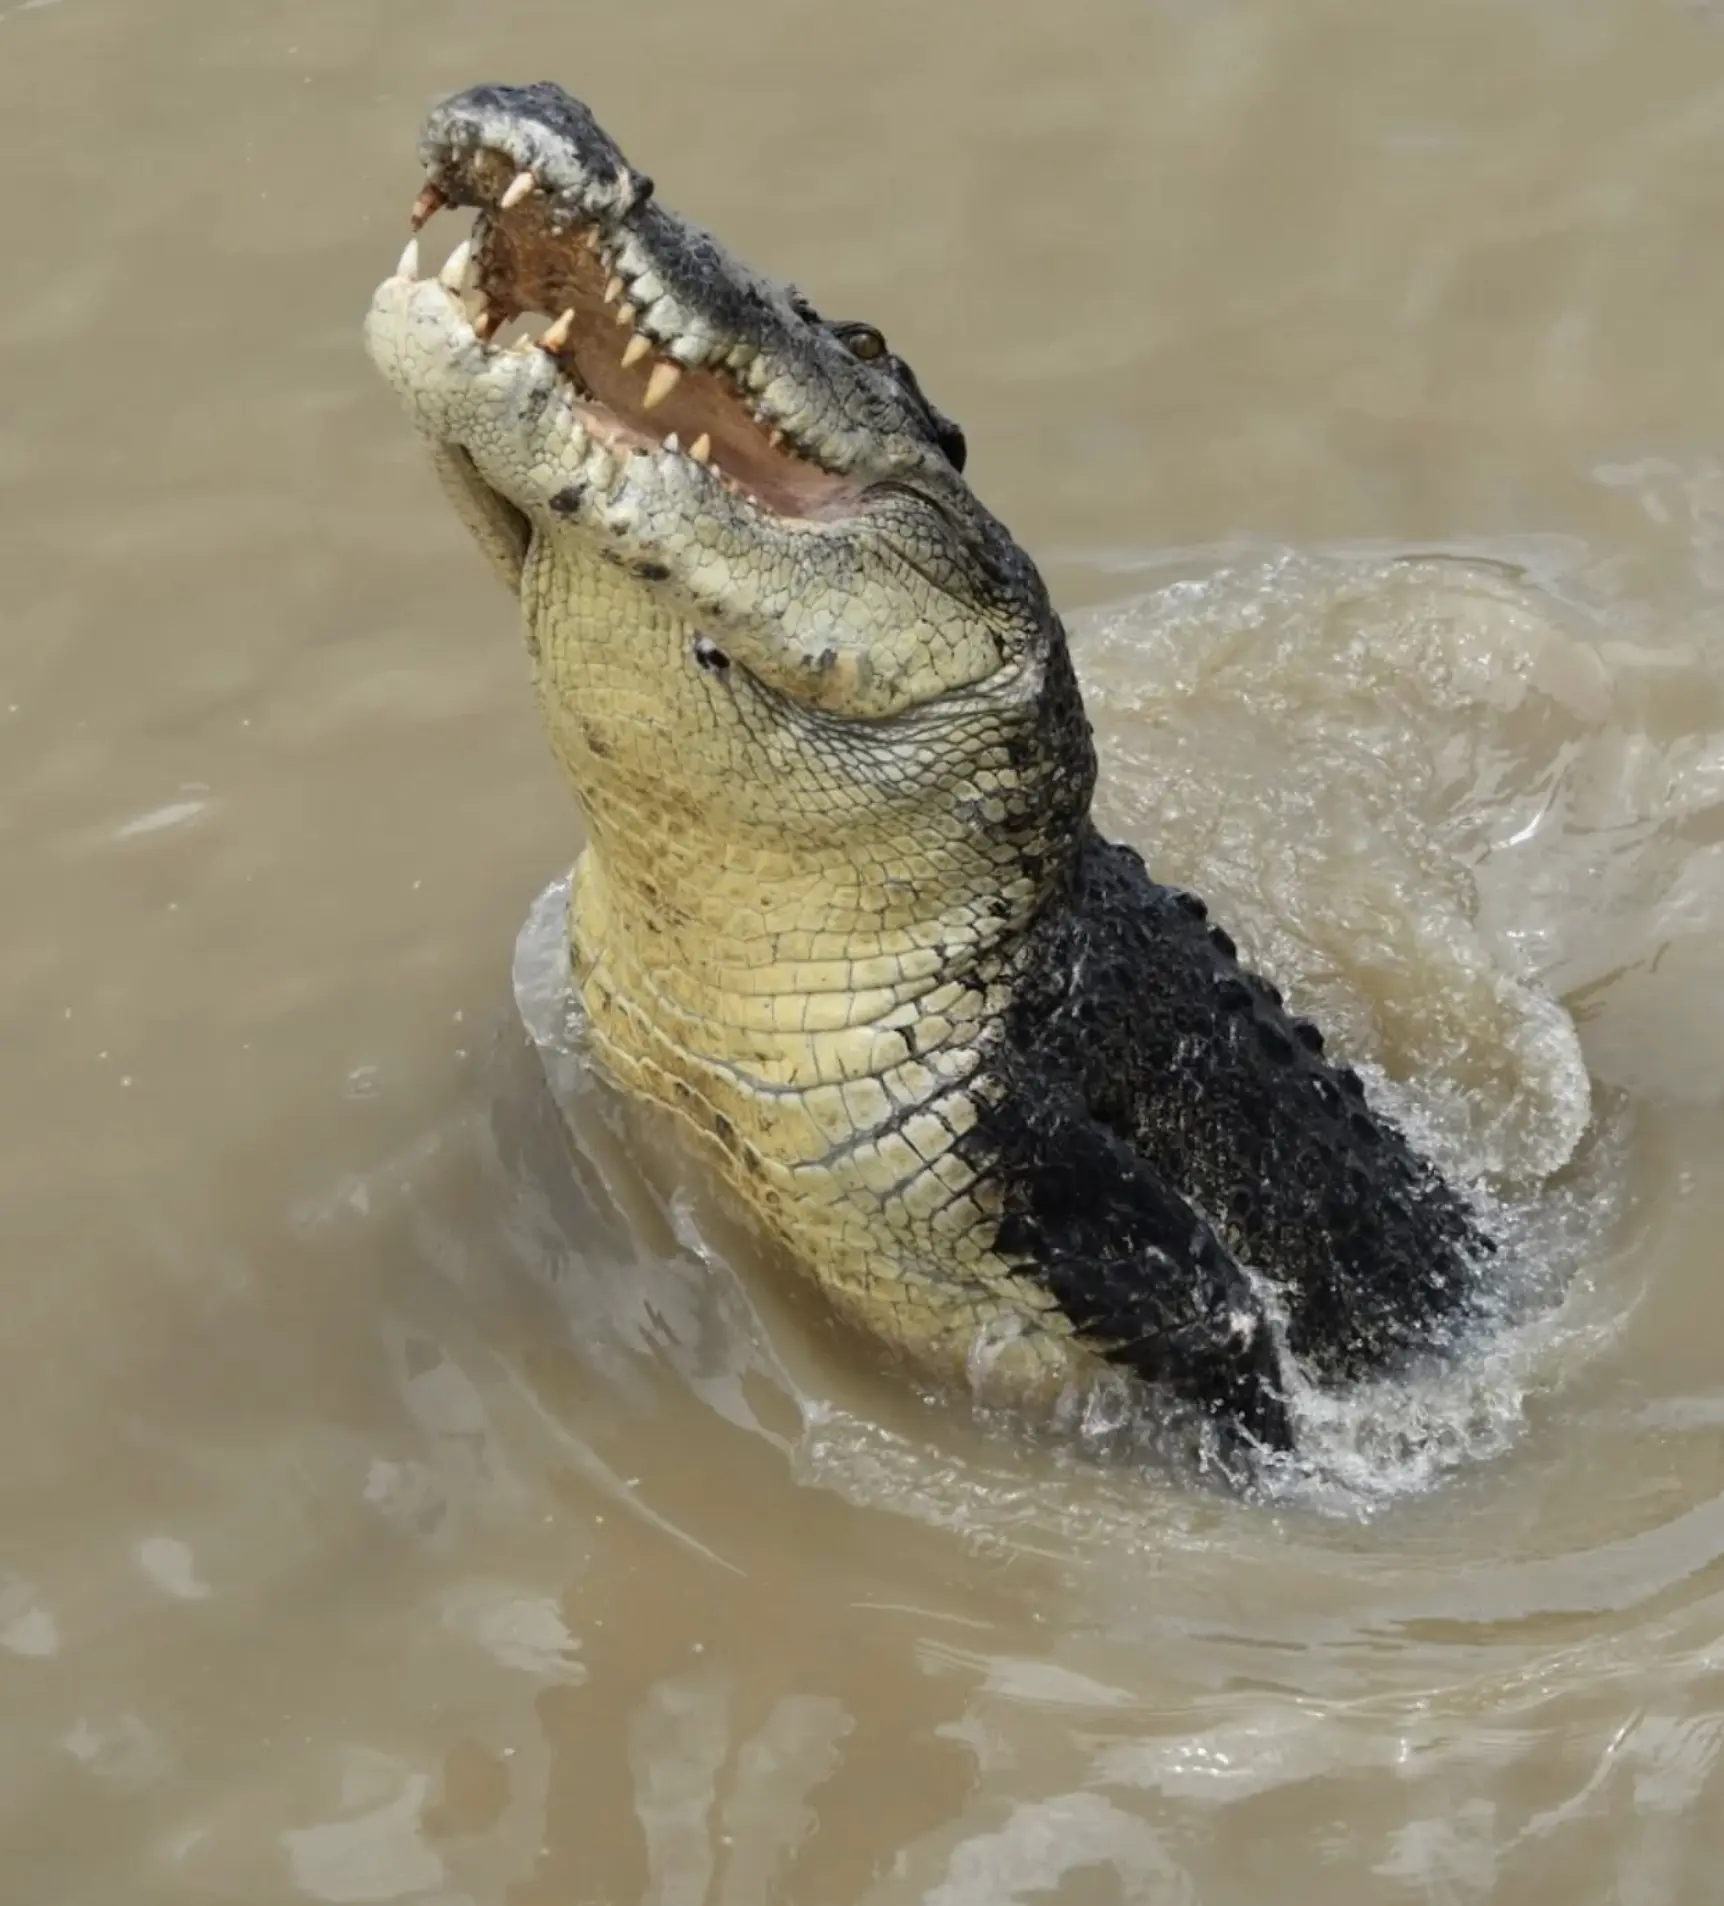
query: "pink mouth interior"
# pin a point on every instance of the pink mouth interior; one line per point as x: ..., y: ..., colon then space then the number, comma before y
x: 524, y: 266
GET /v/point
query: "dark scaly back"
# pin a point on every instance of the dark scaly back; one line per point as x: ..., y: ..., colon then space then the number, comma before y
x: 1159, y: 1120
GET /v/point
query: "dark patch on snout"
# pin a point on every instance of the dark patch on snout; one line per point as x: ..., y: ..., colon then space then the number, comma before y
x: 545, y: 121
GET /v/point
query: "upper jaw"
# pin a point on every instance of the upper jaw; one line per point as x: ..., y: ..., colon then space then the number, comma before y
x: 651, y: 318
x: 542, y: 131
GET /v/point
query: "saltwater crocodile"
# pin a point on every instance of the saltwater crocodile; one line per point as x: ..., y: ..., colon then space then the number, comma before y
x: 842, y: 908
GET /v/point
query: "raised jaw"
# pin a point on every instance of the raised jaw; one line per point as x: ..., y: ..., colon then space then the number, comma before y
x: 655, y: 336
x: 749, y: 462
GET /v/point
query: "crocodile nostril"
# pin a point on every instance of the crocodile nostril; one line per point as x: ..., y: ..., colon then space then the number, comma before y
x: 710, y: 656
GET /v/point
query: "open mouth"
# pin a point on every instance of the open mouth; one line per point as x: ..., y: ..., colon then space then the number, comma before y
x: 649, y: 373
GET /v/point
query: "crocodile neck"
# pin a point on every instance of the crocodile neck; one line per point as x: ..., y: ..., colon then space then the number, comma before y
x: 777, y: 939
x: 806, y: 988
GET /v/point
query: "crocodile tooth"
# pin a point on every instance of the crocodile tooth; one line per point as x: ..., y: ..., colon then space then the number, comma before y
x: 776, y: 440
x: 518, y: 188
x: 428, y: 202
x: 701, y: 448
x: 409, y: 265
x: 673, y: 443
x: 558, y: 334
x: 484, y: 324
x: 636, y: 348
x: 626, y: 315
x: 613, y: 291
x: 594, y: 238
x: 456, y: 266
x: 664, y: 379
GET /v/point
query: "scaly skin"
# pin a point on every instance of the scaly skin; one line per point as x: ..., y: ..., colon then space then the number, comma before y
x: 841, y: 907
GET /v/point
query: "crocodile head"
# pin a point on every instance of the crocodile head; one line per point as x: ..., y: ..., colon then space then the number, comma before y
x: 659, y: 336
x: 745, y: 549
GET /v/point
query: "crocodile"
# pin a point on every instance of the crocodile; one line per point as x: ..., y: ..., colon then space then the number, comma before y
x: 1017, y: 1108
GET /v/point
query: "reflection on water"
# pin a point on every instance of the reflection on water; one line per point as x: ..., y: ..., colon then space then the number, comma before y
x: 414, y: 1486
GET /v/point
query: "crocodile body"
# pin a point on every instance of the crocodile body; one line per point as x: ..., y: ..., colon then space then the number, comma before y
x: 842, y: 907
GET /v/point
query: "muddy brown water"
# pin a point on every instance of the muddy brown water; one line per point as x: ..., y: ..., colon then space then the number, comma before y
x: 410, y: 1488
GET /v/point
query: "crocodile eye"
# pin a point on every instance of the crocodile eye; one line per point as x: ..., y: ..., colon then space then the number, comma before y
x: 863, y: 341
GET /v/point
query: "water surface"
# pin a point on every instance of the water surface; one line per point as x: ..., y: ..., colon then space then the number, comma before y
x: 411, y: 1486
